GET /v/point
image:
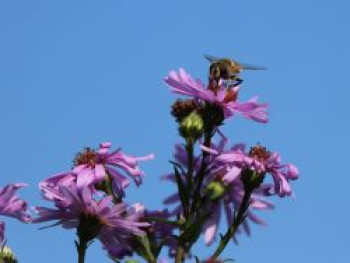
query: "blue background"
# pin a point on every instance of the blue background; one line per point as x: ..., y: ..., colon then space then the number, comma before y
x: 75, y: 73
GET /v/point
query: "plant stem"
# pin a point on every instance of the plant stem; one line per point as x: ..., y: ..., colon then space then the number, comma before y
x: 239, y: 218
x: 201, y: 173
x: 189, y: 149
x: 81, y: 249
x: 180, y: 254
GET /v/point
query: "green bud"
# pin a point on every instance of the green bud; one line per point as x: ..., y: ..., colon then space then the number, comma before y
x: 7, y: 256
x: 132, y: 261
x: 215, y: 190
x: 192, y: 126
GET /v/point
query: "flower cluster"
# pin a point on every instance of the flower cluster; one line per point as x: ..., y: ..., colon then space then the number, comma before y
x: 89, y: 199
x: 213, y: 179
x: 222, y: 179
x: 223, y: 192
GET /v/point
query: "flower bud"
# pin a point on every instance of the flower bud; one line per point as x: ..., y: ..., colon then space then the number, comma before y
x: 7, y: 256
x: 215, y: 190
x: 192, y: 126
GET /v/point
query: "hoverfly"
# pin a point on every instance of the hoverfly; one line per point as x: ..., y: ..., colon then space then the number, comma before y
x: 228, y: 70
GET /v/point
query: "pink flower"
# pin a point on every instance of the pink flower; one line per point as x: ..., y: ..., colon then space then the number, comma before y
x: 93, y: 167
x: 182, y: 83
x: 12, y: 206
x: 260, y: 160
x: 113, y: 224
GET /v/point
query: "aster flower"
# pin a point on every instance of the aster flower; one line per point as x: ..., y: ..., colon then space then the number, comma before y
x: 12, y: 206
x: 222, y: 197
x: 259, y: 160
x: 92, y: 167
x: 112, y: 224
x: 182, y: 83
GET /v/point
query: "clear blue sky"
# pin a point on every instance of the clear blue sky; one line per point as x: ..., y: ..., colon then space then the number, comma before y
x: 75, y: 73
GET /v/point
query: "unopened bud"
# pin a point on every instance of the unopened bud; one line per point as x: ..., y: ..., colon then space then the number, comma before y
x: 7, y: 256
x: 192, y: 126
x: 215, y: 190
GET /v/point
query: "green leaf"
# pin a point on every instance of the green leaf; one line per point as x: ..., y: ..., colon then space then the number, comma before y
x: 144, y: 248
x: 181, y: 187
x: 178, y: 166
x: 193, y: 228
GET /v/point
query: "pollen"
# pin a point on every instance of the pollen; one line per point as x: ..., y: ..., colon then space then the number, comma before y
x: 259, y: 153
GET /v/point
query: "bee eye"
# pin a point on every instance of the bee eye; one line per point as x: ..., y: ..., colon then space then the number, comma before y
x: 215, y: 71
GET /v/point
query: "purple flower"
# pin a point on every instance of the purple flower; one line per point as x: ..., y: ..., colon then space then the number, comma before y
x: 182, y: 83
x: 223, y: 196
x: 93, y: 167
x: 115, y: 248
x: 12, y: 206
x: 118, y: 244
x: 258, y: 159
x: 112, y: 224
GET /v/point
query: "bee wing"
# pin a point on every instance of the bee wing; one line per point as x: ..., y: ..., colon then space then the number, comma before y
x: 246, y: 66
x: 211, y: 59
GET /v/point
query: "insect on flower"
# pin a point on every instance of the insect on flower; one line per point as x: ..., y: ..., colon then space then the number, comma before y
x: 228, y: 70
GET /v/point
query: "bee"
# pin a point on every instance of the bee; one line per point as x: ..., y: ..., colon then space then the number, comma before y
x: 228, y: 70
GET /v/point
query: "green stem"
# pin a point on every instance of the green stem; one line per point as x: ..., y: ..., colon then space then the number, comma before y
x: 189, y: 178
x: 239, y: 218
x: 201, y: 173
x: 180, y: 254
x: 189, y: 149
x: 81, y: 249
